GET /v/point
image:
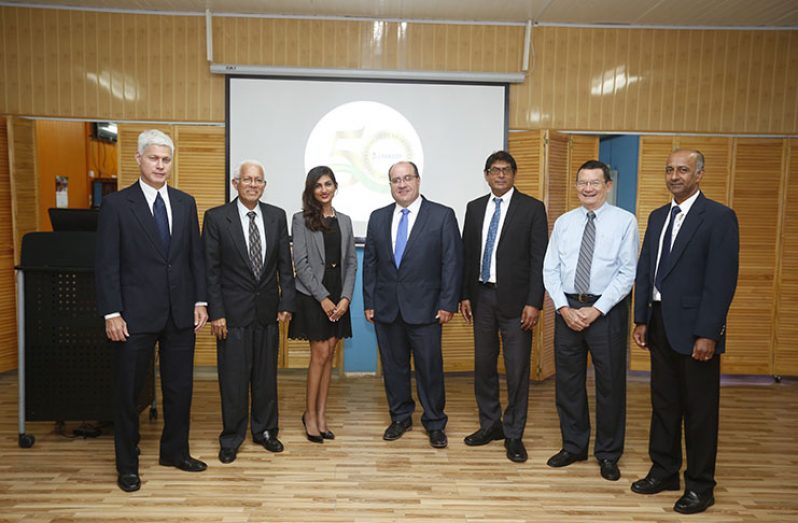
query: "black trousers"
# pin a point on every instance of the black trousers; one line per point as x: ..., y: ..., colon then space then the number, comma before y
x: 397, y: 341
x: 247, y: 365
x: 489, y: 323
x: 132, y: 361
x: 682, y: 389
x: 606, y: 340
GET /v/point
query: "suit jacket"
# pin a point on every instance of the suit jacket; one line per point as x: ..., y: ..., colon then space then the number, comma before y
x: 699, y: 279
x: 233, y: 292
x: 309, y: 261
x: 519, y: 253
x: 429, y: 277
x: 134, y: 275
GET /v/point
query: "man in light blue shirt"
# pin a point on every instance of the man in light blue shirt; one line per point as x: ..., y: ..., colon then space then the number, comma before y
x: 588, y: 271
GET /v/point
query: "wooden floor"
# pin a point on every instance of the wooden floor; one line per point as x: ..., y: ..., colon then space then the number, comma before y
x: 359, y: 477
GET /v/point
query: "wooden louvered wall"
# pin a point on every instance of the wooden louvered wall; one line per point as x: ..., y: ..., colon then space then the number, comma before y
x: 8, y: 298
x: 750, y: 175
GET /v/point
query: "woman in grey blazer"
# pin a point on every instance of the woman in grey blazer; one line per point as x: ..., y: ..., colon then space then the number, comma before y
x: 325, y: 265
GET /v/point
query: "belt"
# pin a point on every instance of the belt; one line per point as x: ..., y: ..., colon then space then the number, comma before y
x: 583, y: 298
x: 487, y: 284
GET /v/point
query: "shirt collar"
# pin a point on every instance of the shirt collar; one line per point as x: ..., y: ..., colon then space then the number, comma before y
x: 687, y: 204
x: 413, y: 207
x: 604, y: 207
x: 243, y: 210
x: 505, y: 198
x: 151, y: 192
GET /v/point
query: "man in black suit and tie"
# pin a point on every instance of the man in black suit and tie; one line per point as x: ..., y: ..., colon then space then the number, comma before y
x: 686, y: 278
x: 504, y: 239
x: 412, y: 269
x: 250, y: 288
x: 150, y: 274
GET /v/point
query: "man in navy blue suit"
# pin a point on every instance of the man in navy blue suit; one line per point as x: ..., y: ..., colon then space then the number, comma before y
x: 150, y: 273
x: 412, y: 270
x: 686, y: 278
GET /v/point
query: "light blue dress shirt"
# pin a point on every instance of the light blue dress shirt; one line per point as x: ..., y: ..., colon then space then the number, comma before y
x: 612, y: 272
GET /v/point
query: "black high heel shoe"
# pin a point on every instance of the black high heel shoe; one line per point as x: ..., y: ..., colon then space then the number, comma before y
x: 311, y: 437
x: 327, y: 434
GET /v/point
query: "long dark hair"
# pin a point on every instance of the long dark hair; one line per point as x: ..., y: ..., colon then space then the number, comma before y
x: 310, y: 206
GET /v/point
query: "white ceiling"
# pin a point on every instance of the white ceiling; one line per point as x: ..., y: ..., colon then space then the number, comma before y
x: 702, y: 13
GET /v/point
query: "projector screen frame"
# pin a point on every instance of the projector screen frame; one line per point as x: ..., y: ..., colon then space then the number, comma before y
x: 230, y: 77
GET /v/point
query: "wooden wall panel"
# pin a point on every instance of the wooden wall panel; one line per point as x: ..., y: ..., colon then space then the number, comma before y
x: 756, y: 200
x: 24, y: 179
x: 8, y: 297
x: 127, y: 66
x: 785, y: 349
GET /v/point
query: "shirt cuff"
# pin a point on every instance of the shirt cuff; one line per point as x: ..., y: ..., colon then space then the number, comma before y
x: 201, y: 304
x: 113, y: 315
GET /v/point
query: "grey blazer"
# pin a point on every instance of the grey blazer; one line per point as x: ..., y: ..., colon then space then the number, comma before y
x: 308, y: 255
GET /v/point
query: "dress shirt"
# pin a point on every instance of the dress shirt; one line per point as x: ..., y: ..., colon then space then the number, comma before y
x: 612, y: 271
x: 242, y: 214
x: 411, y: 219
x: 489, y: 210
x: 150, y: 193
x: 685, y: 207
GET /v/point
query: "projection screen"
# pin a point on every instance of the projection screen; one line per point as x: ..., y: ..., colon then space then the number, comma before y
x: 360, y: 128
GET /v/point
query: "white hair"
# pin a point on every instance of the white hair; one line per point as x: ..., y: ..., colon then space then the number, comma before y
x: 155, y: 137
x: 245, y: 163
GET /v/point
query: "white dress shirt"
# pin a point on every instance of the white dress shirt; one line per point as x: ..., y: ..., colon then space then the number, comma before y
x: 489, y: 210
x: 685, y: 207
x: 150, y: 193
x: 242, y: 214
x: 411, y: 219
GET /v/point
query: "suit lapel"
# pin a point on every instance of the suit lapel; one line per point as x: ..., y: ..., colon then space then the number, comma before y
x: 236, y: 231
x: 141, y: 211
x: 179, y: 216
x: 387, y: 219
x: 658, y: 222
x: 512, y: 209
x: 418, y: 225
x: 691, y: 224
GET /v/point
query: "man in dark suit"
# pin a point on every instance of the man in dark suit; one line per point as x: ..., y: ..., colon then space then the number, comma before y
x: 504, y: 241
x: 150, y: 274
x: 686, y: 277
x: 250, y: 289
x: 412, y: 268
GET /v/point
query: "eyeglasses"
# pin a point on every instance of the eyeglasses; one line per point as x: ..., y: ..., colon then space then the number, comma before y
x: 406, y: 179
x: 505, y: 170
x: 593, y: 184
x: 257, y: 182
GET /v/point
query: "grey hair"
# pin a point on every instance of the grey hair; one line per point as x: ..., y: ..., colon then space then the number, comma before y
x: 698, y: 155
x: 240, y: 167
x: 155, y: 137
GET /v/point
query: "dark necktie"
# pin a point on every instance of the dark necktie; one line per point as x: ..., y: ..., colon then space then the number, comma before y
x: 255, y: 256
x: 161, y: 221
x: 401, y: 238
x: 666, y: 249
x: 582, y: 278
x: 490, y: 242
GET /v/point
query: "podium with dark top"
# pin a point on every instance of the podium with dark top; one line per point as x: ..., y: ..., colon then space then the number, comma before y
x: 65, y: 360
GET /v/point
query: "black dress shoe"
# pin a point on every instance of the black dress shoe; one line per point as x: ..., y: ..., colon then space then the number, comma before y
x: 515, y: 450
x: 609, y: 470
x: 311, y: 437
x: 437, y: 438
x: 189, y: 464
x: 565, y: 458
x: 396, y: 429
x: 484, y: 436
x: 128, y: 482
x: 227, y: 455
x: 649, y: 485
x: 327, y: 434
x: 692, y: 502
x: 270, y: 441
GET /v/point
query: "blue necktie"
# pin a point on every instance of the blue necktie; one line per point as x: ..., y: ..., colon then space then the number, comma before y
x: 401, y: 238
x: 666, y: 249
x: 161, y: 221
x: 493, y: 231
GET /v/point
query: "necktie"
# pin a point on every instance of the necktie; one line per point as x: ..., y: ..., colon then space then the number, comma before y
x: 255, y: 256
x: 666, y: 248
x: 490, y: 242
x: 161, y: 221
x: 401, y: 238
x: 582, y: 278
